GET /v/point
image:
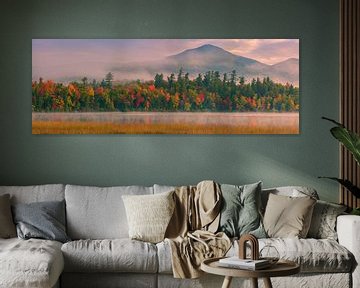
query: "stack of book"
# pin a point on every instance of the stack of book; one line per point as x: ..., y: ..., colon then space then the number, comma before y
x: 248, y: 264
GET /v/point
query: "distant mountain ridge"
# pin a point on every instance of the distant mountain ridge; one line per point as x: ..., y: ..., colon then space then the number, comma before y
x: 212, y: 58
x: 211, y: 52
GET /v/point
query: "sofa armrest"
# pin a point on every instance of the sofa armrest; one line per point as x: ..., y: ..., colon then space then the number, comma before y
x: 348, y: 230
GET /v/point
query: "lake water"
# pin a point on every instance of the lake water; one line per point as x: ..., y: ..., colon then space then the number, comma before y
x: 206, y: 118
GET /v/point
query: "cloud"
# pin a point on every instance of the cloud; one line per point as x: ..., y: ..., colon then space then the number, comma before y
x: 268, y: 51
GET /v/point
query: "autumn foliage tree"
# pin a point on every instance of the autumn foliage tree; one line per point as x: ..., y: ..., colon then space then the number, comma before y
x: 210, y: 91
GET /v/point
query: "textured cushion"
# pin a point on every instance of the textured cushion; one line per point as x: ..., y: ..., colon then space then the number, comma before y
x: 31, y: 263
x: 37, y: 193
x: 240, y: 210
x: 313, y: 255
x: 164, y: 257
x: 117, y: 255
x: 44, y: 220
x: 98, y: 213
x: 293, y: 191
x: 7, y: 227
x: 287, y: 216
x: 149, y: 215
x: 323, y: 222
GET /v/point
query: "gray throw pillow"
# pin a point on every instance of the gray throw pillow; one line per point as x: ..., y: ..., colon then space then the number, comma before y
x: 240, y: 213
x: 7, y: 227
x: 323, y: 222
x: 44, y: 220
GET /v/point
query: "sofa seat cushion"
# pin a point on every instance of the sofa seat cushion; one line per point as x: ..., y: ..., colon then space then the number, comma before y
x: 313, y: 255
x: 30, y: 263
x: 115, y: 255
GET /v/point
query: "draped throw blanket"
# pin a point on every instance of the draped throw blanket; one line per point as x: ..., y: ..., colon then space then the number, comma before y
x: 191, y: 231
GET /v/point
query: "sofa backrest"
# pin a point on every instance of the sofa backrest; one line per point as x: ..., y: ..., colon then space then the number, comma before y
x: 163, y: 188
x: 293, y: 191
x: 98, y: 212
x: 36, y: 193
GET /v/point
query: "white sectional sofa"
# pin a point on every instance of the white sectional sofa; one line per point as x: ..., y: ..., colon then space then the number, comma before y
x: 101, y: 254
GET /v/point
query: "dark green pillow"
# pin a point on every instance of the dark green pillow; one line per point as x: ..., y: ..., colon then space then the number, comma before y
x: 43, y: 220
x: 240, y: 213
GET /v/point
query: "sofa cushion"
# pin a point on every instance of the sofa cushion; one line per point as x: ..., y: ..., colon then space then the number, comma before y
x: 37, y: 193
x: 164, y: 257
x: 323, y: 222
x: 7, y: 226
x: 313, y: 255
x: 291, y: 191
x: 163, y: 188
x: 240, y: 210
x: 148, y: 216
x: 117, y: 255
x: 43, y: 220
x: 98, y: 213
x: 287, y: 216
x: 30, y: 263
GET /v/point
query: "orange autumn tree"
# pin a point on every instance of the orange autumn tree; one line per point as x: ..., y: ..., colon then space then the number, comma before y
x: 207, y: 92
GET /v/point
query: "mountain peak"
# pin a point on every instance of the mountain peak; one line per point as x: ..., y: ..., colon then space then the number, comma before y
x: 205, y: 49
x: 208, y: 47
x: 208, y: 51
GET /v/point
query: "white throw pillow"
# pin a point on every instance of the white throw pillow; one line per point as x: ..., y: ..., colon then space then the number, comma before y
x: 149, y: 215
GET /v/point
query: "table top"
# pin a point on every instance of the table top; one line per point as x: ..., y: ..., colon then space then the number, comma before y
x: 281, y: 268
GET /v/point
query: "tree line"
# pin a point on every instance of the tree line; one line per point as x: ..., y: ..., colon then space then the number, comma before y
x: 209, y: 91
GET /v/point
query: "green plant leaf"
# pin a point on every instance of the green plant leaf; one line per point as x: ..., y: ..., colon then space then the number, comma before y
x: 347, y: 184
x: 333, y: 121
x: 349, y: 139
x: 355, y: 211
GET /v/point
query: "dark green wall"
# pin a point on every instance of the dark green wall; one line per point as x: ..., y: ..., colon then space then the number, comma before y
x: 173, y: 159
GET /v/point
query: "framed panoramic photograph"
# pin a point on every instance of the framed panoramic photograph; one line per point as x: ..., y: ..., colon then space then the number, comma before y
x: 165, y: 86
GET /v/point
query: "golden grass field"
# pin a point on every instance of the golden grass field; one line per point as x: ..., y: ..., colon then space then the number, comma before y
x: 164, y: 123
x: 78, y: 127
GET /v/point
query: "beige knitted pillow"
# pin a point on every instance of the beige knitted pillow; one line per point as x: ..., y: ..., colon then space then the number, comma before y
x: 149, y: 215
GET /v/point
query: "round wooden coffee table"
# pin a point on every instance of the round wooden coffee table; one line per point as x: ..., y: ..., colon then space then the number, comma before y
x: 281, y: 268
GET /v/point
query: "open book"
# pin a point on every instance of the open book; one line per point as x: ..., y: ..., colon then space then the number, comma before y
x: 236, y: 262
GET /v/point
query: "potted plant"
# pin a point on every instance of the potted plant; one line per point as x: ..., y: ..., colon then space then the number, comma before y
x: 351, y: 141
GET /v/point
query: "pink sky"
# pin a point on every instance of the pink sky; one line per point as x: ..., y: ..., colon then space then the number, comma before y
x: 60, y: 58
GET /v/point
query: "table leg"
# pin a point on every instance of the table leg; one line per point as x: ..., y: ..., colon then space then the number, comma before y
x: 254, y: 282
x: 267, y: 283
x: 227, y: 282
